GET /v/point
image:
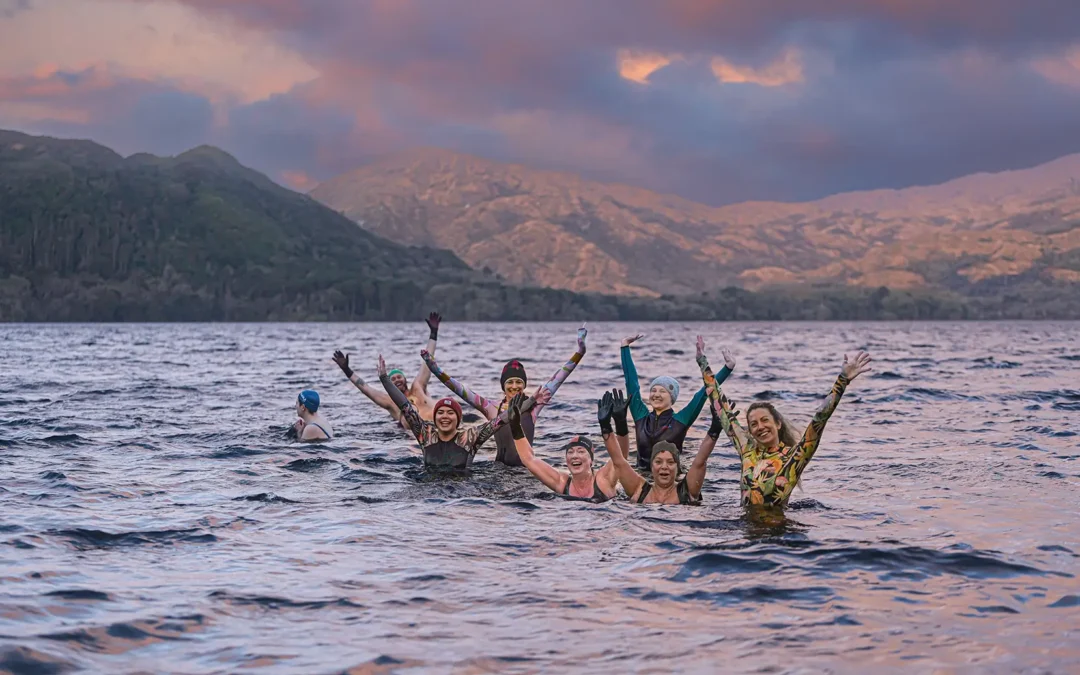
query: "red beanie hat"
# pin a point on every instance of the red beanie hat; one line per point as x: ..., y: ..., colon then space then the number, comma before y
x: 448, y: 403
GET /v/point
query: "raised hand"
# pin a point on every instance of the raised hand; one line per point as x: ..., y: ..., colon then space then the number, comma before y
x: 618, y: 411
x: 542, y: 396
x: 631, y: 340
x: 619, y: 404
x: 856, y: 367
x: 729, y: 360
x: 700, y: 346
x: 342, y: 360
x: 513, y: 415
x: 604, y: 408
x: 433, y: 321
x: 581, y: 333
x: 382, y: 366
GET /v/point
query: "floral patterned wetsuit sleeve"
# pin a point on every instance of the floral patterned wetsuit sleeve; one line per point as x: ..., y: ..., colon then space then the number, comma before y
x: 633, y: 386
x: 474, y: 437
x: 560, y: 375
x: 464, y: 393
x: 728, y: 420
x: 804, y: 451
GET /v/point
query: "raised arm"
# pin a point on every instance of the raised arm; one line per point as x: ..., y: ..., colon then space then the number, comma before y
x: 377, y: 397
x: 547, y: 474
x: 695, y: 477
x: 408, y: 410
x: 690, y: 413
x: 618, y: 415
x: 424, y: 376
x: 808, y: 445
x: 630, y: 479
x: 630, y: 379
x: 561, y: 374
x: 486, y: 407
x: 729, y: 418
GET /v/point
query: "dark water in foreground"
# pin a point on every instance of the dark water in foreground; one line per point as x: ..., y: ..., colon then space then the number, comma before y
x: 151, y: 519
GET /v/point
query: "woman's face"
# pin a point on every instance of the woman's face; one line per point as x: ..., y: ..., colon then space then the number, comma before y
x: 446, y: 420
x: 660, y: 398
x: 578, y: 460
x: 513, y: 386
x: 664, y: 469
x: 763, y: 427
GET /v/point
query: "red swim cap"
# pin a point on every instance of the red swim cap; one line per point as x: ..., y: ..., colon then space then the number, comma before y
x: 448, y: 403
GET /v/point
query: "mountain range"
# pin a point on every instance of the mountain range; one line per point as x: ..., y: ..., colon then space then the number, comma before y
x: 971, y: 235
x: 89, y: 235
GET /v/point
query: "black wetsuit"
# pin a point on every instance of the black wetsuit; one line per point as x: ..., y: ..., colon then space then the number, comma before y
x: 653, y: 428
x: 681, y: 489
x: 505, y: 450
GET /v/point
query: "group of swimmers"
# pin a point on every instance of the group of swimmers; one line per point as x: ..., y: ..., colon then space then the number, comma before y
x: 772, y: 457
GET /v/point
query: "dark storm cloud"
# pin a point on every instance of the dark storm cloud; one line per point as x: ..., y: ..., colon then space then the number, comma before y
x: 816, y: 96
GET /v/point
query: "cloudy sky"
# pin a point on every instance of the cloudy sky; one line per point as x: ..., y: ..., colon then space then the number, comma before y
x: 717, y: 100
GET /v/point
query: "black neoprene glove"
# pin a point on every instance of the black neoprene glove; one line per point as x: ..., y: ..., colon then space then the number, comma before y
x: 715, y: 428
x: 343, y: 362
x: 513, y: 414
x: 618, y: 412
x: 603, y: 412
x: 433, y: 321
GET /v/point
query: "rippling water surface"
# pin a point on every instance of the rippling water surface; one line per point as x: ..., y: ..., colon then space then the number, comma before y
x: 153, y: 519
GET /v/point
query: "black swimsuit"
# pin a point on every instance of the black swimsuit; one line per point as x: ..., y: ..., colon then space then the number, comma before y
x: 681, y: 490
x: 598, y: 495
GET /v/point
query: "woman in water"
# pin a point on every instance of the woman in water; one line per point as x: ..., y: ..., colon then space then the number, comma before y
x: 513, y: 381
x: 666, y: 487
x: 444, y: 443
x: 580, y: 481
x: 417, y: 393
x: 311, y: 426
x: 662, y: 423
x: 772, y: 459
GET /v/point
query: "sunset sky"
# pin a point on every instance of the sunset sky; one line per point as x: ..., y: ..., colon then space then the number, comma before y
x: 720, y: 101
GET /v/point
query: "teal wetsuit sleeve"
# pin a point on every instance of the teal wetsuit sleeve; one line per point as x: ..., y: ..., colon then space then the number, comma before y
x: 688, y: 415
x: 630, y: 379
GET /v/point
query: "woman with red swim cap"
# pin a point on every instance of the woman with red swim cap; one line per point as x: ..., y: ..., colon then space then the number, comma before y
x: 444, y: 442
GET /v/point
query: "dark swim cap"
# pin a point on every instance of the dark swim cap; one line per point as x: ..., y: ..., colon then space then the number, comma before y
x: 580, y: 442
x: 666, y: 446
x: 513, y: 369
x: 447, y: 403
x: 309, y: 399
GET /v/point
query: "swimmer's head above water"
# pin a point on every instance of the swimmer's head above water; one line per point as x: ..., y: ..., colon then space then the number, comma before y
x: 397, y: 377
x: 307, y: 403
x: 664, y: 464
x: 663, y: 392
x: 447, y: 415
x: 579, y: 455
x: 513, y: 379
x: 768, y: 427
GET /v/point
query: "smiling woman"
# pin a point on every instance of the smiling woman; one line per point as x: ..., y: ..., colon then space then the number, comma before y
x: 772, y: 460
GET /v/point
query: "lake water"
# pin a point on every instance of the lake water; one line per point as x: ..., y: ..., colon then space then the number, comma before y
x: 153, y: 519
